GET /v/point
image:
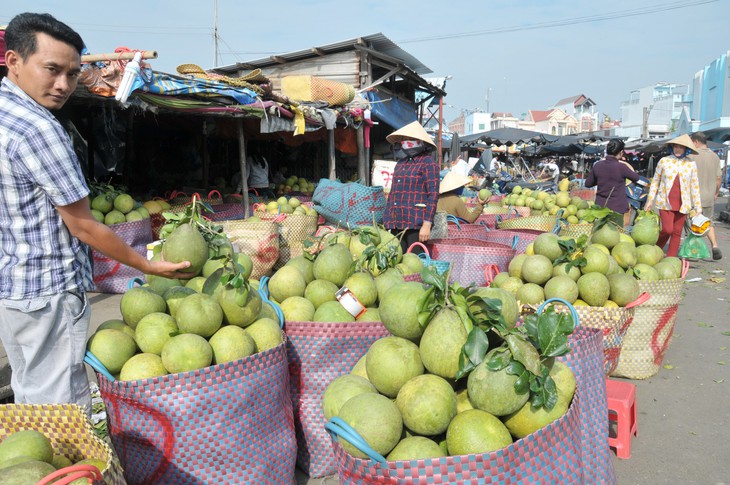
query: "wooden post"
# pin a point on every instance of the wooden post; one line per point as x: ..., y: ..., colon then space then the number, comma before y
x: 440, y: 132
x: 362, y: 169
x: 242, y: 160
x: 332, y: 172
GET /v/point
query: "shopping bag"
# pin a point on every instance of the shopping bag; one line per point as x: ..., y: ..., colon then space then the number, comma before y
x: 349, y: 205
x: 694, y: 247
x: 258, y: 239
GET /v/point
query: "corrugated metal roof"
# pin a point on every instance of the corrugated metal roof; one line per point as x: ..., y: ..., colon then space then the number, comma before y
x: 378, y: 42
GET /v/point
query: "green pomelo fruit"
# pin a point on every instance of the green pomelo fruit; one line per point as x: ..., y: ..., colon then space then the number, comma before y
x: 607, y: 235
x: 546, y: 244
x: 211, y: 266
x: 494, y: 391
x: 266, y: 333
x: 246, y: 263
x: 287, y: 281
x: 220, y: 247
x: 341, y: 390
x: 427, y: 404
x: 511, y: 285
x: 333, y: 264
x: 399, y: 310
x: 386, y: 280
x: 510, y: 309
x: 529, y: 419
x: 102, y: 203
x: 357, y: 247
x: 572, y: 272
x: 196, y: 283
x: 231, y: 343
x: 676, y: 264
x: 462, y: 401
x: 666, y: 270
x: 153, y: 331
x: 185, y: 243
x: 138, y: 302
x: 114, y: 217
x: 29, y: 442
x: 320, y: 291
x: 240, y: 306
x: 199, y: 314
x: 391, y: 362
x: 414, y: 263
x: 530, y: 294
x: 133, y: 216
x: 341, y: 237
x: 112, y: 347
x: 370, y: 315
x: 143, y: 211
x: 376, y: 418
x: 564, y: 379
x: 26, y: 473
x: 332, y: 311
x: 644, y: 272
x: 613, y: 266
x: 305, y: 266
x: 561, y: 287
x: 360, y: 369
x: 562, y: 199
x: 99, y: 464
x: 60, y: 461
x: 98, y: 215
x: 297, y: 309
x: 416, y: 448
x: 625, y: 254
x: 624, y: 288
x: 497, y: 281
x: 537, y: 269
x: 117, y: 324
x: 186, y: 352
x: 160, y: 284
x: 649, y: 254
x: 515, y: 266
x: 124, y: 203
x: 623, y: 237
x: 596, y: 261
x: 645, y: 231
x: 267, y: 311
x: 363, y: 287
x: 475, y: 432
x: 174, y: 296
x: 594, y: 289
x: 441, y: 345
x: 142, y: 366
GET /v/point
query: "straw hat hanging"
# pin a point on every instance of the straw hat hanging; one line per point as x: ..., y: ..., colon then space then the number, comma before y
x: 453, y: 181
x: 410, y: 131
x: 685, y: 141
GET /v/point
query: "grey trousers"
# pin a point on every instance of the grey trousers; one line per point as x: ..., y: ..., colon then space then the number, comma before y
x: 45, y: 340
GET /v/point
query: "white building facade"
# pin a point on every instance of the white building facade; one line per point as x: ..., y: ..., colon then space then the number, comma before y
x: 663, y: 104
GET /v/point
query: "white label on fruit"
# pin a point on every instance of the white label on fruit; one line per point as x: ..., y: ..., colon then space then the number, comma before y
x: 350, y: 302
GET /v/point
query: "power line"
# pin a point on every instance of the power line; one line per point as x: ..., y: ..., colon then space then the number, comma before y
x: 564, y: 22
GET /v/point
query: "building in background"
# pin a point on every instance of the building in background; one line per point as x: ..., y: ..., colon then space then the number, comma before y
x: 551, y: 122
x: 583, y: 109
x: 653, y: 111
x: 709, y: 100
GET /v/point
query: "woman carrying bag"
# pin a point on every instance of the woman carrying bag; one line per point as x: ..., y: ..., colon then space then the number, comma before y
x: 675, y: 191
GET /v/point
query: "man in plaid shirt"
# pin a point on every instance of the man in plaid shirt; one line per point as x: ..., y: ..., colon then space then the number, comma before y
x: 45, y: 220
x: 414, y: 192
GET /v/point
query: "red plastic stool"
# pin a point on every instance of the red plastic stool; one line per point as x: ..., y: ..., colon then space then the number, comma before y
x: 622, y: 409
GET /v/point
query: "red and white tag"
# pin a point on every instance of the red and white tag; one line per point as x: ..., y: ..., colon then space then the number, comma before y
x: 350, y: 302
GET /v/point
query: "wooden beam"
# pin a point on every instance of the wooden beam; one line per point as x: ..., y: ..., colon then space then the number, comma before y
x: 242, y: 163
x: 332, y: 172
x: 362, y: 169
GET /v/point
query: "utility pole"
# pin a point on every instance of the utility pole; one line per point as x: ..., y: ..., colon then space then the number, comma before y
x: 215, y: 33
x: 645, y: 123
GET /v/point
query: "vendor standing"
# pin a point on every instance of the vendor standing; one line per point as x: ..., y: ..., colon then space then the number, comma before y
x: 609, y: 176
x: 411, y: 204
x: 450, y: 200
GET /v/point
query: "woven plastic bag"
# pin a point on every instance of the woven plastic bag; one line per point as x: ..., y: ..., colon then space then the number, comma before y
x: 694, y: 247
x: 469, y: 258
x: 349, y: 205
x: 537, y: 223
x: 457, y: 229
x: 111, y: 276
x: 69, y: 430
x: 259, y: 240
x: 519, y: 239
x: 227, y: 423
x: 318, y: 353
x: 440, y: 266
x: 315, y: 88
x: 650, y: 334
x: 226, y: 211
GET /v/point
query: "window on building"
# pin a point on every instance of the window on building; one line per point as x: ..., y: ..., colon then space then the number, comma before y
x: 481, y: 126
x: 552, y: 130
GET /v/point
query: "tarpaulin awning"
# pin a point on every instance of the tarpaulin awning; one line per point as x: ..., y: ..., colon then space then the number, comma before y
x: 156, y: 82
x: 391, y: 110
x: 507, y: 136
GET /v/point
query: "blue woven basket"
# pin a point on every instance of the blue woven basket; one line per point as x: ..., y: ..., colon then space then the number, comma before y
x: 440, y: 266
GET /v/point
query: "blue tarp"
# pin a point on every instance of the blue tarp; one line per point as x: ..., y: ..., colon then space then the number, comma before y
x: 394, y: 111
x: 160, y: 83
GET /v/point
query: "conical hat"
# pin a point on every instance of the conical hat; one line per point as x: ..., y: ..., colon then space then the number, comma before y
x: 453, y: 181
x: 685, y: 141
x: 410, y: 131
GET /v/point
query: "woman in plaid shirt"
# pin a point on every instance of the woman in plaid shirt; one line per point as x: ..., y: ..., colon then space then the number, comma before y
x: 414, y: 191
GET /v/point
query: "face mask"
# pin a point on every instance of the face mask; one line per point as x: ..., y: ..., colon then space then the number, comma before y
x: 412, y: 147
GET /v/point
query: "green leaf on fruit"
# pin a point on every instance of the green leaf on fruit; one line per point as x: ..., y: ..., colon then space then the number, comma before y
x: 524, y: 352
x: 473, y: 352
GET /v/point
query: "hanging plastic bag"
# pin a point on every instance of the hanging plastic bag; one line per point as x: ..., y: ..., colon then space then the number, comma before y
x: 694, y: 247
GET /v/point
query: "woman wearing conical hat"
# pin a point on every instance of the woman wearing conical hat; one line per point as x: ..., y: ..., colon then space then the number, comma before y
x: 675, y: 191
x: 449, y: 201
x: 414, y: 191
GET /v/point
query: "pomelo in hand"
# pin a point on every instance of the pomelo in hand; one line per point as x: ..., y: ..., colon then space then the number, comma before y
x: 391, y: 362
x: 142, y: 366
x: 427, y: 403
x: 185, y: 243
x: 112, y: 347
x: 376, y: 418
x: 341, y: 390
x: 266, y: 333
x: 476, y: 431
x: 231, y: 343
x: 494, y: 391
x: 153, y: 331
x: 415, y: 448
x: 186, y: 352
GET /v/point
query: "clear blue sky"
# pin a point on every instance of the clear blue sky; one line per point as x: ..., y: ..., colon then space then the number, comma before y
x: 600, y: 49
